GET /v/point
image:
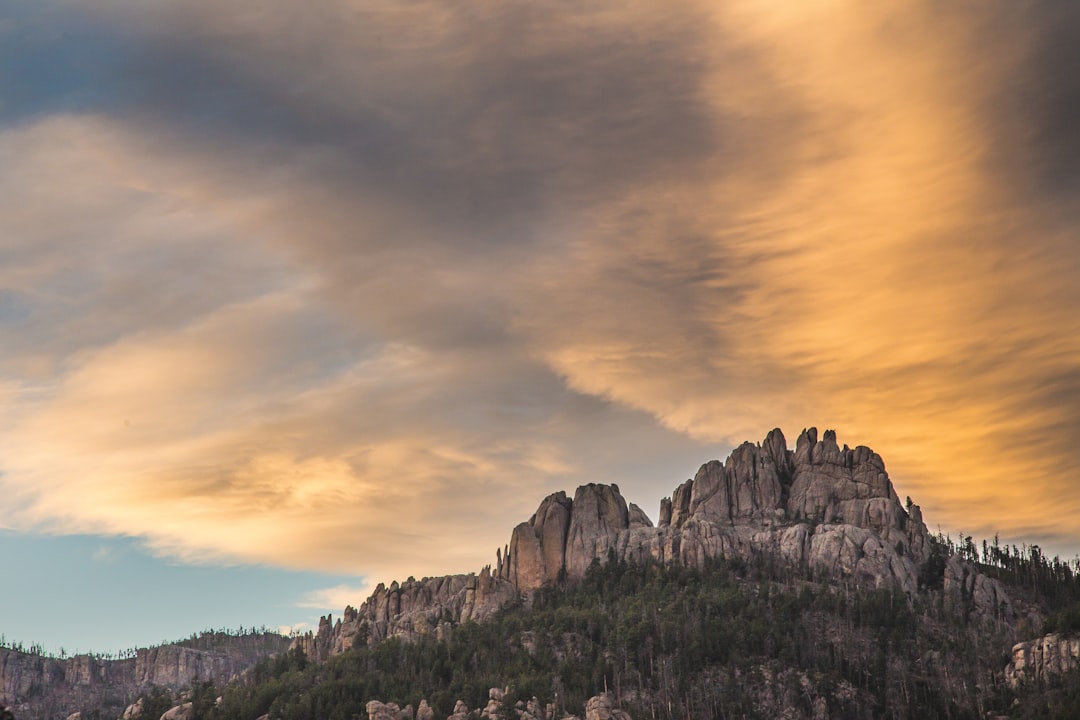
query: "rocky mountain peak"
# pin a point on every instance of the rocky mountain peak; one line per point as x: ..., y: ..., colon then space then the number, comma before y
x: 597, y: 516
x: 820, y: 508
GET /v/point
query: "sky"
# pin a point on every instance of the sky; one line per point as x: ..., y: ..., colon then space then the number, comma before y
x: 298, y: 298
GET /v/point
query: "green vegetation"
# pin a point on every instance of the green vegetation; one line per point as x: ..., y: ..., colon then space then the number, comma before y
x: 258, y: 640
x: 670, y: 641
x: 1053, y: 581
x: 1065, y: 621
x: 731, y: 640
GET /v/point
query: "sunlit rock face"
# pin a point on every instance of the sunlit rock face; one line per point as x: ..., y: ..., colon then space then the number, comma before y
x: 598, y: 516
x: 537, y: 550
x: 817, y: 507
x: 822, y: 510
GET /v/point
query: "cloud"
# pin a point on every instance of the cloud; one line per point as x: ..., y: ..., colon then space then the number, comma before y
x: 353, y: 289
x: 293, y: 629
x: 102, y: 553
x: 260, y: 421
x: 879, y: 286
x: 335, y: 598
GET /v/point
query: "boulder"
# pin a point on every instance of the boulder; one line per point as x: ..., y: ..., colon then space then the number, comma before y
x: 424, y: 711
x: 598, y: 708
x: 461, y: 711
x: 133, y: 711
x: 494, y: 708
x: 377, y: 710
x: 180, y: 712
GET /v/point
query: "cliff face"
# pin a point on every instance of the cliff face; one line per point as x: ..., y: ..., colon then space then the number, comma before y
x: 174, y: 666
x: 24, y: 676
x: 1035, y: 660
x: 40, y: 686
x: 819, y: 508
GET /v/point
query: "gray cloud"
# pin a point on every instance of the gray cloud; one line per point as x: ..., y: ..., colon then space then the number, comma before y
x: 481, y: 120
x: 453, y: 257
x: 1038, y: 103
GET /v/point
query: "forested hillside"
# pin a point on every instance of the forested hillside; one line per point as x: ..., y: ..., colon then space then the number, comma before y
x: 780, y: 583
x: 727, y: 640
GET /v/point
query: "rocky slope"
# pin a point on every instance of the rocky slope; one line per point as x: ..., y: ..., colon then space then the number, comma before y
x: 820, y: 508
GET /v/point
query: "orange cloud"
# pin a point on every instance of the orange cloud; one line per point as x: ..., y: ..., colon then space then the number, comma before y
x: 368, y: 330
x: 877, y: 285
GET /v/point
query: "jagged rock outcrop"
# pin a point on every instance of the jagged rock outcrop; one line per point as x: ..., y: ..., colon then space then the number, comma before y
x: 638, y: 518
x: 134, y: 710
x: 601, y: 707
x: 537, y: 550
x: 494, y: 708
x: 535, y: 711
x: 975, y: 594
x: 388, y: 711
x: 1036, y: 660
x: 461, y: 711
x: 597, y: 516
x: 409, y: 610
x: 821, y: 509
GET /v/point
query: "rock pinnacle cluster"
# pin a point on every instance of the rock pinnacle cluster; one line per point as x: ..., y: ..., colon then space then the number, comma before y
x: 821, y: 508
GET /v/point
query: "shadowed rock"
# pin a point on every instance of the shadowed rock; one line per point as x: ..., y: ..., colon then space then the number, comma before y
x: 1036, y: 660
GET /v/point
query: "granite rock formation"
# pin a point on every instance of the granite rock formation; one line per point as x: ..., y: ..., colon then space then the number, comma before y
x: 974, y: 594
x: 410, y: 609
x: 819, y: 506
x: 174, y: 666
x: 1036, y: 660
x: 388, y: 711
x: 822, y: 509
x: 601, y: 707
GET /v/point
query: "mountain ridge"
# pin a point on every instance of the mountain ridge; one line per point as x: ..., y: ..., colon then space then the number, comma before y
x: 818, y: 508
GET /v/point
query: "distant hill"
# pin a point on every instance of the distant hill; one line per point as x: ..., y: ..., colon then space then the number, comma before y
x: 36, y: 685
